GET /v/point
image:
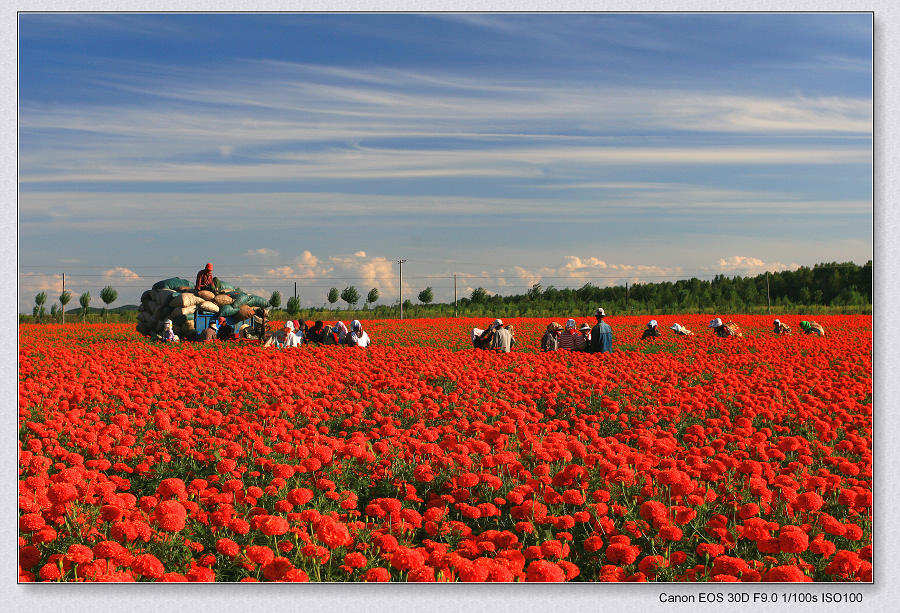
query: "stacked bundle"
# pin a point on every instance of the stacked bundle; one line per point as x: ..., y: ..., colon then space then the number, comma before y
x: 177, y: 300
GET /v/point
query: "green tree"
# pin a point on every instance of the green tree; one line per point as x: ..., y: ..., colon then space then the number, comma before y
x: 535, y: 292
x: 54, y: 311
x: 64, y: 299
x: 479, y: 294
x: 350, y: 296
x: 85, y: 301
x: 39, y: 301
x: 372, y: 298
x: 293, y: 306
x: 275, y: 299
x: 426, y: 296
x: 333, y: 295
x: 108, y: 295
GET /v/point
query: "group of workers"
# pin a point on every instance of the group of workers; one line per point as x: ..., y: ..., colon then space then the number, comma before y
x: 295, y: 333
x: 584, y: 338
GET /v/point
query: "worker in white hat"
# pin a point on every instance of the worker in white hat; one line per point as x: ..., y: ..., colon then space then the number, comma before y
x: 725, y: 330
x: 780, y: 328
x: 168, y: 334
x: 651, y: 331
x: 484, y: 339
x: 601, y: 334
x: 681, y: 330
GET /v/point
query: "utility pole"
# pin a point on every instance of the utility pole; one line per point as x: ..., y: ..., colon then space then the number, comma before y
x: 455, y: 306
x: 401, y: 287
x: 64, y: 306
x: 626, y: 297
x: 295, y: 289
x: 768, y: 297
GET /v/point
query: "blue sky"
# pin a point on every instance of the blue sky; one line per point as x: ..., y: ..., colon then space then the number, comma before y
x: 507, y: 148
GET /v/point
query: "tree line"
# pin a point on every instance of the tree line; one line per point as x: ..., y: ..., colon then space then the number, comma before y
x: 826, y: 286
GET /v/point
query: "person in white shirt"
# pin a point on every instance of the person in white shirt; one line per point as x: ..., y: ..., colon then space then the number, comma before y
x: 284, y: 337
x: 357, y: 337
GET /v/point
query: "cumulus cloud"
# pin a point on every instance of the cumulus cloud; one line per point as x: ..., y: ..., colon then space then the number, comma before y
x: 262, y: 251
x: 120, y: 273
x: 746, y: 265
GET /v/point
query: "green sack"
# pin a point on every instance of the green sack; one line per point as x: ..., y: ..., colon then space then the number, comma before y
x: 223, y: 286
x: 229, y: 310
x: 240, y: 298
x: 172, y: 283
x: 257, y: 301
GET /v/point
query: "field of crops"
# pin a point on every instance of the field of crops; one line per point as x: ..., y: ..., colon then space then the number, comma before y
x: 422, y: 459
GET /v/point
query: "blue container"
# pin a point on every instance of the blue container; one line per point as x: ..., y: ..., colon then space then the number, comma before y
x: 203, y: 320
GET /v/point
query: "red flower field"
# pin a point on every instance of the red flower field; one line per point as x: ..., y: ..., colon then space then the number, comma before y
x: 422, y: 459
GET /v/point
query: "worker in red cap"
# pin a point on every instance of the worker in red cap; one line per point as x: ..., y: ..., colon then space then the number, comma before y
x: 205, y: 279
x: 226, y: 330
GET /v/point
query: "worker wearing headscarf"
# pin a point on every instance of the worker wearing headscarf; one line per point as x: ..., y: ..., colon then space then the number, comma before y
x: 357, y: 337
x: 780, y: 328
x: 168, y: 334
x: 340, y: 329
x: 725, y: 330
x: 567, y: 338
x: 583, y: 340
x: 550, y: 340
x: 681, y: 330
x: 651, y: 331
x: 811, y: 327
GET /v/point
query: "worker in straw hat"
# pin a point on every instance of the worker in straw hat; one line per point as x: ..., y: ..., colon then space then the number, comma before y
x: 583, y: 340
x: 779, y: 328
x: 210, y: 333
x: 550, y: 340
x: 601, y: 334
x: 651, y: 331
x: 680, y: 330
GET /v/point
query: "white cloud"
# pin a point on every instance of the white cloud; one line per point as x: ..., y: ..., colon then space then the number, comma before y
x: 747, y: 266
x: 120, y: 273
x: 262, y: 251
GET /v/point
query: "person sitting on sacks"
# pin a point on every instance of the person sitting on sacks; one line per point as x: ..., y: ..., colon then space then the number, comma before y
x: 357, y: 337
x: 205, y: 279
x: 652, y: 330
x: 226, y: 330
x: 550, y: 340
x: 168, y: 334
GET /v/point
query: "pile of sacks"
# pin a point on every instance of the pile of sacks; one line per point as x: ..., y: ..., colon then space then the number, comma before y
x: 177, y: 300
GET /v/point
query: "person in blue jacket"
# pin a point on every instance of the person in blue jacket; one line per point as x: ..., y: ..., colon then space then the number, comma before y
x: 601, y: 334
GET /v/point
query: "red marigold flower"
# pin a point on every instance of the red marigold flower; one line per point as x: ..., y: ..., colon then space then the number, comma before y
x: 622, y: 554
x: 173, y: 578
x: 654, y: 512
x: 727, y: 565
x: 792, y: 539
x: 31, y: 522
x: 808, y: 501
x: 593, y: 543
x: 273, y: 525
x: 277, y: 568
x: 843, y: 564
x: 260, y: 554
x: 172, y: 487
x: 239, y: 526
x: 543, y: 571
x: 227, y: 547
x: 423, y: 574
x: 467, y: 480
x: 354, y: 559
x: 49, y: 572
x: 29, y: 556
x: 554, y: 549
x: 333, y: 533
x: 386, y: 543
x: 710, y: 549
x: 782, y: 574
x: 147, y: 565
x: 79, y: 554
x: 652, y: 564
x: 61, y: 493
x: 852, y: 532
x: 573, y: 497
x: 200, y: 574
x: 407, y: 559
x: 377, y: 574
x: 670, y: 533
x: 111, y: 513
